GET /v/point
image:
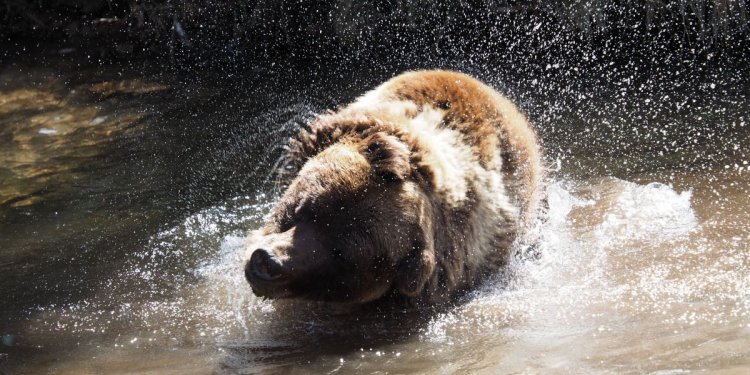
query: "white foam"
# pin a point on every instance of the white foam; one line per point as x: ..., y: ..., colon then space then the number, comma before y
x: 653, y: 211
x: 572, y: 273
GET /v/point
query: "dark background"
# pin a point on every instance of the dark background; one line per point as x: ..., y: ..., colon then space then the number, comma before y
x: 557, y: 60
x: 191, y: 33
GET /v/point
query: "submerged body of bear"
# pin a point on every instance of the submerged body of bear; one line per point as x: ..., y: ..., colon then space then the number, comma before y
x: 418, y: 189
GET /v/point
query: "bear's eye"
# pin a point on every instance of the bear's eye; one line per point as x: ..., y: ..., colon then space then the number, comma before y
x: 304, y: 213
x: 286, y: 224
x: 296, y: 215
x: 287, y: 220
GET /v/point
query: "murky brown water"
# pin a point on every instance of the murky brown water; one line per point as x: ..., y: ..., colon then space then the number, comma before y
x: 124, y: 200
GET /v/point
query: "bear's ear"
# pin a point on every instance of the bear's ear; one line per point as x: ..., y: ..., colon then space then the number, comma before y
x: 388, y: 156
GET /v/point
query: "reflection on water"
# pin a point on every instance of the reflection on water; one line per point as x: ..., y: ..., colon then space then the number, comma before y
x: 46, y: 132
x: 124, y: 203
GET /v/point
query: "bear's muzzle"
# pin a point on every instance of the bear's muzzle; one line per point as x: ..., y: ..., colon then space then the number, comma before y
x: 263, y: 267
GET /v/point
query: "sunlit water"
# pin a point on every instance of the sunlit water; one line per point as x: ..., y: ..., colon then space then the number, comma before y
x: 631, y: 277
x: 642, y: 273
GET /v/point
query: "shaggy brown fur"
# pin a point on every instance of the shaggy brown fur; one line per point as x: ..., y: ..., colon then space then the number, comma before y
x: 418, y: 188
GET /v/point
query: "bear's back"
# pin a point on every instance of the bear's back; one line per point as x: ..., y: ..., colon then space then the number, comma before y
x: 492, y: 125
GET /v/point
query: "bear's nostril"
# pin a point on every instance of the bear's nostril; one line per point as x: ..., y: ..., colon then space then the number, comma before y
x: 262, y: 266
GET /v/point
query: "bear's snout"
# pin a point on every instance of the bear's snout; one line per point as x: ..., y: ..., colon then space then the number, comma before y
x: 266, y: 274
x: 280, y: 262
x: 263, y: 266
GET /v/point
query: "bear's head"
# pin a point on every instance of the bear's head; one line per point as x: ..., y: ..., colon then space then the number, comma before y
x: 351, y: 226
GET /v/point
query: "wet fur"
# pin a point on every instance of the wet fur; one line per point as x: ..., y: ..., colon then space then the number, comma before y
x: 440, y: 170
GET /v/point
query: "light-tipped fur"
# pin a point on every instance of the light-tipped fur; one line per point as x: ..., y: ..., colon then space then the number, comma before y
x: 448, y: 170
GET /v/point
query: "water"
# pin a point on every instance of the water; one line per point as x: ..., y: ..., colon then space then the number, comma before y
x: 124, y: 202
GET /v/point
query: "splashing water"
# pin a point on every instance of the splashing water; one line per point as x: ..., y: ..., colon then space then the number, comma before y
x: 625, y: 272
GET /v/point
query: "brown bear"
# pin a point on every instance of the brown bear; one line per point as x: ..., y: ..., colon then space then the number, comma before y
x: 417, y: 189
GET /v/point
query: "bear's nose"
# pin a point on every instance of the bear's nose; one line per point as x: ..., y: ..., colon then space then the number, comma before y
x: 262, y: 266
